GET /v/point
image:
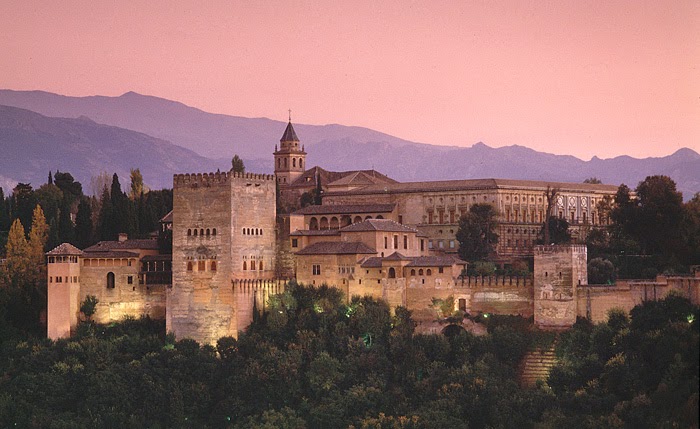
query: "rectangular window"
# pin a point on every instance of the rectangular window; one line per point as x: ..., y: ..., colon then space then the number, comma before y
x: 50, y: 279
x: 386, y: 243
x: 441, y: 244
x: 295, y: 242
x: 401, y: 219
x: 452, y: 216
x: 316, y: 269
x: 129, y: 280
x: 452, y: 244
x: 396, y: 242
x: 440, y: 270
x: 201, y: 266
x: 430, y: 244
x: 442, y: 216
x: 430, y: 217
x: 405, y: 242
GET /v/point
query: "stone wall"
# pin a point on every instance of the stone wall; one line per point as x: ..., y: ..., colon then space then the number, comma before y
x: 125, y: 299
x: 63, y: 296
x: 237, y: 213
x: 559, y: 270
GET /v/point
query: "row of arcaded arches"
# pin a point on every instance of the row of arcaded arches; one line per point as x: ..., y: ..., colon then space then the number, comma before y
x: 335, y: 222
x: 428, y: 272
x: 202, y: 232
x: 282, y: 162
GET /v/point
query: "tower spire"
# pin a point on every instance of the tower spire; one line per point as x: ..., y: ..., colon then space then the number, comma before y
x: 290, y: 115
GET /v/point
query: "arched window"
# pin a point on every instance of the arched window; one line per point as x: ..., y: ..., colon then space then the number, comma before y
x: 213, y: 232
x: 260, y: 231
x: 208, y: 232
x: 413, y: 272
x: 324, y: 223
x: 285, y: 162
x: 189, y: 232
x: 195, y: 232
x: 260, y: 267
x: 245, y: 266
x: 213, y: 265
x: 110, y: 280
x: 313, y: 224
x: 201, y: 232
x: 392, y: 273
x: 294, y: 162
x: 420, y: 272
x: 189, y: 266
x: 334, y: 223
x: 301, y: 163
x: 252, y: 265
x: 201, y: 265
x: 357, y: 219
x: 248, y: 233
x: 380, y: 217
x: 429, y: 272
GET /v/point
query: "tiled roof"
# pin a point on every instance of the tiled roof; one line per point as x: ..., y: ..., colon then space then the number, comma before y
x: 308, y: 178
x: 110, y: 254
x: 362, y: 178
x: 396, y: 256
x: 377, y: 225
x: 416, y: 261
x: 337, y: 248
x: 142, y: 244
x: 435, y: 261
x: 289, y: 134
x: 315, y: 232
x: 371, y: 262
x: 168, y: 218
x: 65, y: 249
x: 475, y: 184
x: 166, y: 257
x: 345, y: 209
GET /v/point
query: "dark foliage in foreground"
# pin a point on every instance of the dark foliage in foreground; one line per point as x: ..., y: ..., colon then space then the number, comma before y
x: 314, y: 362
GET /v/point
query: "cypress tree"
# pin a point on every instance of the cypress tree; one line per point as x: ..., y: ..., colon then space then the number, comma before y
x: 105, y: 220
x: 83, y: 224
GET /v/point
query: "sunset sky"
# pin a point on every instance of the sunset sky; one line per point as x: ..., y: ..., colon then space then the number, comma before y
x: 584, y: 78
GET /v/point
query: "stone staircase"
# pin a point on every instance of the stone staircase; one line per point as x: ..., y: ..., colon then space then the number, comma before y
x: 536, y: 365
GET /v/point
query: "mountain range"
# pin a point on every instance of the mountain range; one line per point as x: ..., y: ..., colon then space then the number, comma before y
x: 88, y: 135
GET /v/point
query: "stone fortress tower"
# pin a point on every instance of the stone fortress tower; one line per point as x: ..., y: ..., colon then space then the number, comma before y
x: 223, y: 234
x: 63, y: 272
x: 290, y: 160
x: 559, y: 271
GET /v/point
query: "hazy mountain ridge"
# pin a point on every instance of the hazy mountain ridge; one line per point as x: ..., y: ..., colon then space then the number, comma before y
x: 33, y: 144
x: 338, y: 147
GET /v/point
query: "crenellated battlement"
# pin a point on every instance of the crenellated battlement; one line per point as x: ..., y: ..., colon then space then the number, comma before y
x: 209, y: 179
x: 201, y: 179
x: 253, y: 176
x: 559, y: 248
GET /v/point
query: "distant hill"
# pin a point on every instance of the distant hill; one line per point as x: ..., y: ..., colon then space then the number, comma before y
x: 32, y: 144
x: 339, y: 147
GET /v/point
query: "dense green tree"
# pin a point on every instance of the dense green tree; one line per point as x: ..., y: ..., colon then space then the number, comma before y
x: 23, y: 203
x: 107, y: 228
x: 600, y: 271
x: 557, y: 230
x: 83, y: 224
x: 477, y: 234
x: 659, y: 215
x: 137, y: 187
x: 237, y: 165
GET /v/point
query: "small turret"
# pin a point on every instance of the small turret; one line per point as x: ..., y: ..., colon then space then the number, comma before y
x: 290, y: 161
x: 63, y: 271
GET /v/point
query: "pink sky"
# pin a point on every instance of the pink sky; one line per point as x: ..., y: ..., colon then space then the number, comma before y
x: 584, y: 78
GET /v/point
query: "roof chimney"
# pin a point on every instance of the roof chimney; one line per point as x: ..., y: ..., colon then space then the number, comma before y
x: 123, y: 236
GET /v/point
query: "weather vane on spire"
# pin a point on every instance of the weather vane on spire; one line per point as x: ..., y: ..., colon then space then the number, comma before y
x: 290, y: 115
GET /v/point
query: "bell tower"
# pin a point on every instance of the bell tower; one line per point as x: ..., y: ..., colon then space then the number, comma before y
x: 290, y: 159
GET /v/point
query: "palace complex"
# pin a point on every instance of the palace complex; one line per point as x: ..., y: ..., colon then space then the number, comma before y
x: 238, y: 237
